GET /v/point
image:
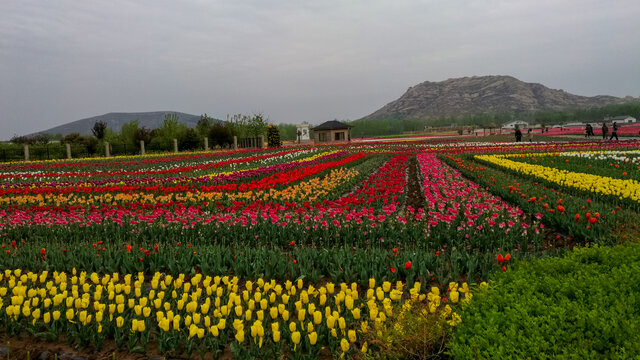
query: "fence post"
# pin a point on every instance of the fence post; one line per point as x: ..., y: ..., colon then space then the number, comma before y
x: 175, y: 145
x: 26, y: 152
x: 106, y: 149
x: 206, y: 144
x: 141, y: 147
x: 68, y: 150
x: 235, y: 142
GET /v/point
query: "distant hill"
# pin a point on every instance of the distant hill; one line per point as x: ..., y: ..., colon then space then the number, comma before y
x: 485, y: 95
x: 114, y: 121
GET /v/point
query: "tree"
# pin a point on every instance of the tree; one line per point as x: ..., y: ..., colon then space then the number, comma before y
x: 145, y: 135
x: 171, y: 129
x: 273, y: 136
x: 87, y: 141
x: 99, y: 129
x: 204, y: 124
x: 128, y: 133
x: 190, y: 140
x: 72, y: 138
x: 288, y: 131
x: 220, y: 134
x: 257, y: 125
x: 38, y: 139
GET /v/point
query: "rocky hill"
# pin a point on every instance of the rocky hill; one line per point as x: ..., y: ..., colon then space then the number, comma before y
x: 114, y: 121
x: 485, y: 94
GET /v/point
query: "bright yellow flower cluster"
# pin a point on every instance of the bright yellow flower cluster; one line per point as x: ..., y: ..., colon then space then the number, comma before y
x: 219, y: 307
x: 629, y: 188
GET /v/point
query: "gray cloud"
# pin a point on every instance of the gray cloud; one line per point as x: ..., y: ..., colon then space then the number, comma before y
x: 295, y: 60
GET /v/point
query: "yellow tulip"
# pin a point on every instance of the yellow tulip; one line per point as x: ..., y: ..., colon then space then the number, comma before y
x: 454, y: 296
x: 240, y: 336
x: 70, y: 314
x: 295, y: 338
x: 214, y: 331
x: 193, y: 330
x: 351, y: 334
x: 344, y: 345
x: 119, y: 321
x: 164, y: 324
x: 356, y: 313
x: 317, y: 317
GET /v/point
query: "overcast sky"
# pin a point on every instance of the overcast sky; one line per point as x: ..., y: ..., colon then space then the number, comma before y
x: 295, y: 61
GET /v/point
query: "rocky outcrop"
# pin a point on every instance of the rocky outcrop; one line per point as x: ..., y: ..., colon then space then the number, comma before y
x: 485, y: 94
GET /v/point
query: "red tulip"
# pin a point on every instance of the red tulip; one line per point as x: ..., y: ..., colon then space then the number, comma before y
x: 500, y: 258
x: 593, y: 220
x: 407, y: 265
x: 437, y: 253
x: 507, y: 257
x: 292, y: 243
x: 577, y: 217
x: 504, y: 268
x: 393, y: 270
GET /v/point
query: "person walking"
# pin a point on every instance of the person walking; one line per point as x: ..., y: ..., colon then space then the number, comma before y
x: 605, y: 130
x: 529, y: 134
x: 614, y: 131
x: 518, y: 134
x: 588, y: 131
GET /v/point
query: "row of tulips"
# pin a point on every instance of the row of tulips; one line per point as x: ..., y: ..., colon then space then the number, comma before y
x: 184, y: 314
x: 616, y: 164
x: 603, y: 185
x: 577, y: 216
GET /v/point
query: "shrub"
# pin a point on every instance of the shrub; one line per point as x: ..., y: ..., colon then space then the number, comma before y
x: 420, y: 328
x: 273, y: 136
x: 585, y: 305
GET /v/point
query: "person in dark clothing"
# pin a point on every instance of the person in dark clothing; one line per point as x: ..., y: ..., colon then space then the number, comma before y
x: 518, y: 134
x: 614, y: 131
x: 588, y: 131
x: 605, y: 130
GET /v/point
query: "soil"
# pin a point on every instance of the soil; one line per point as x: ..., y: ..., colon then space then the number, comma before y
x: 27, y: 347
x: 35, y: 349
x: 415, y: 195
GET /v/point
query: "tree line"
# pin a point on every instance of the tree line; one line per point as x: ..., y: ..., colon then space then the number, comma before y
x: 219, y: 134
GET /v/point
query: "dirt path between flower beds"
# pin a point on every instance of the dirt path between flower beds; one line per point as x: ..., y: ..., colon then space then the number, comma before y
x: 415, y: 195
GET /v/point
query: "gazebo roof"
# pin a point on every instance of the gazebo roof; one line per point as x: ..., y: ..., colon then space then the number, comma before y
x: 332, y: 125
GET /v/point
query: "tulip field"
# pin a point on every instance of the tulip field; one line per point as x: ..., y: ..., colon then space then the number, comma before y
x: 300, y: 252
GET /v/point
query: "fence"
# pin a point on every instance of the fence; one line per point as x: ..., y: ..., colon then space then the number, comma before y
x: 11, y: 152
